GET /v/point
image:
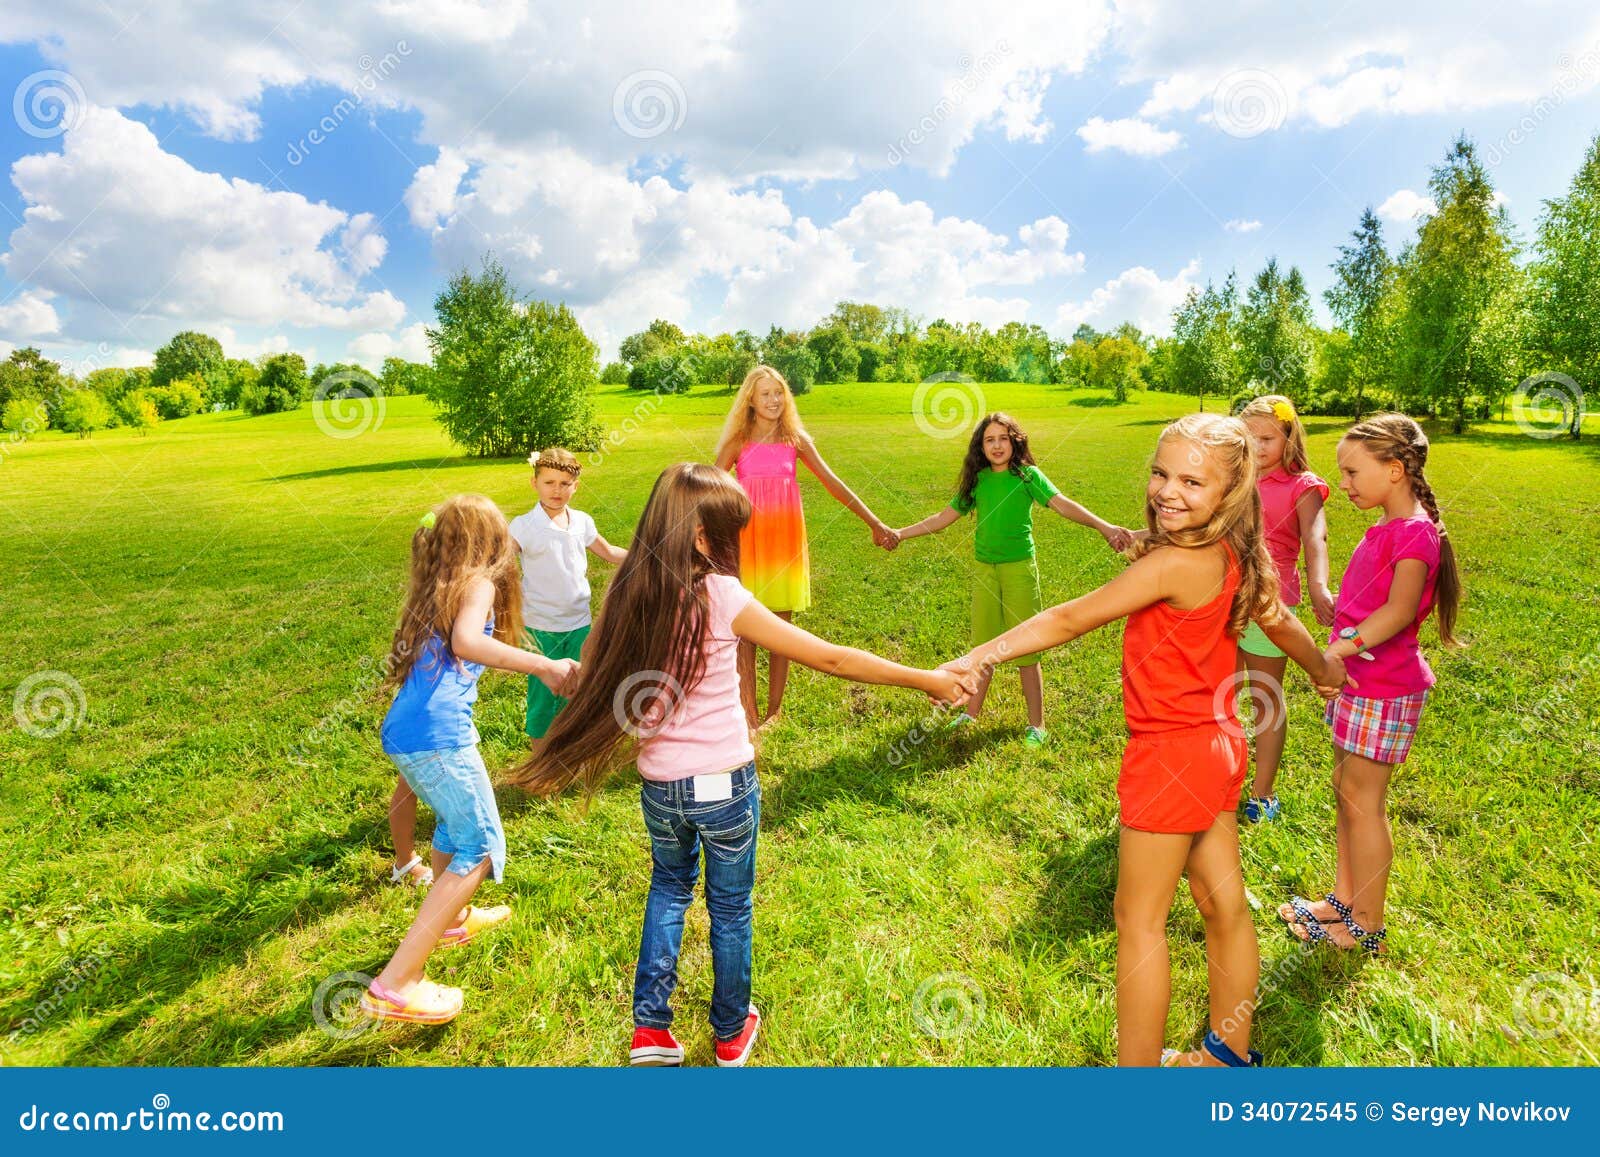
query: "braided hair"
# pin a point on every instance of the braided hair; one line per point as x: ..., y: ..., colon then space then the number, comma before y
x: 1397, y: 438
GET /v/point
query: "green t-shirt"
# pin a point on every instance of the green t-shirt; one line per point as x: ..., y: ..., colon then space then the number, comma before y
x: 1005, y: 512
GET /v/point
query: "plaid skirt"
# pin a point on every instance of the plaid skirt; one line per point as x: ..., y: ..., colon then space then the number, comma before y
x: 1377, y: 729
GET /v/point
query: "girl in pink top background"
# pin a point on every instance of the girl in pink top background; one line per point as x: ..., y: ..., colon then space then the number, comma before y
x: 1293, y: 518
x: 661, y: 668
x: 764, y: 442
x: 1403, y: 568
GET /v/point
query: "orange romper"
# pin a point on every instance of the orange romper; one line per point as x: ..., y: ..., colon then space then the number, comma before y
x: 1186, y: 756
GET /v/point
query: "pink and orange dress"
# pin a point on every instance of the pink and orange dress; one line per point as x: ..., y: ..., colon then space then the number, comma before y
x: 774, y: 560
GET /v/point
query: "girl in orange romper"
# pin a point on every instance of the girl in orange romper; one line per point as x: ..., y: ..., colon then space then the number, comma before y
x: 1200, y: 574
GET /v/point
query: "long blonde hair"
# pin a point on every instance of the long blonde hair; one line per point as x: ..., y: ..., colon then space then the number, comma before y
x: 1272, y: 407
x: 1236, y: 521
x: 468, y: 540
x: 647, y: 650
x: 1397, y: 438
x: 738, y: 430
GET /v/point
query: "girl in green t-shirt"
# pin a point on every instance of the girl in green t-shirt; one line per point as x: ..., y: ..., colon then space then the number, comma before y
x: 1000, y: 481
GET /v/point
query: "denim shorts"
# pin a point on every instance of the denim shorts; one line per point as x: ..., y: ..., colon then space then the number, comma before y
x: 455, y: 784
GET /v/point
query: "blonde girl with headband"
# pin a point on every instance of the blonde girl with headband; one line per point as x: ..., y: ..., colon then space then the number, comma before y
x: 462, y: 614
x: 1293, y: 519
x: 1403, y: 569
x: 763, y: 443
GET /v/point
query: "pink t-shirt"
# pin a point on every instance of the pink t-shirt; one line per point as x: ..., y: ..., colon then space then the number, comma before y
x: 1397, y: 667
x: 1280, y: 494
x: 707, y: 733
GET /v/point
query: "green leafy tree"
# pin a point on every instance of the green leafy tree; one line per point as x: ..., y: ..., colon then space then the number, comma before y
x: 23, y: 417
x: 1114, y: 365
x: 192, y: 355
x: 837, y: 359
x: 860, y: 321
x: 510, y: 377
x: 661, y: 337
x: 1205, y: 359
x: 1457, y: 278
x: 614, y: 374
x: 27, y: 373
x: 1363, y: 300
x: 787, y: 352
x: 282, y: 385
x: 1564, y: 299
x: 1275, y: 333
x: 179, y: 398
x: 137, y: 410
x: 400, y: 377
x: 82, y: 412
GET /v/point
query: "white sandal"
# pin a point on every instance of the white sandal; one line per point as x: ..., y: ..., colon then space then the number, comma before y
x: 402, y: 875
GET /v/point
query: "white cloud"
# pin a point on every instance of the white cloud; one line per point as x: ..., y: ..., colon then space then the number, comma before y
x: 1139, y: 295
x: 1406, y: 205
x: 1129, y: 135
x: 141, y: 243
x: 1255, y: 64
x: 822, y: 89
x: 28, y: 314
x: 410, y: 343
x: 1241, y: 225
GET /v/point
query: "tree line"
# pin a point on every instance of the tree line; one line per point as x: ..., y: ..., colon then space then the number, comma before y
x: 1451, y: 324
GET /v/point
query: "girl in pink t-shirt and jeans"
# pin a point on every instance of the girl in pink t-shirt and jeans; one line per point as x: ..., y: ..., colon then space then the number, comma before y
x: 1402, y: 569
x: 1292, y: 517
x: 661, y: 667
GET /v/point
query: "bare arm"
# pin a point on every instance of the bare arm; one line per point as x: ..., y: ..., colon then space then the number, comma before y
x: 931, y: 524
x: 604, y: 551
x: 1313, y: 519
x: 727, y: 455
x: 755, y: 624
x: 1405, y: 599
x: 834, y: 486
x: 468, y: 642
x: 1149, y: 580
x: 1290, y: 636
x: 1117, y: 537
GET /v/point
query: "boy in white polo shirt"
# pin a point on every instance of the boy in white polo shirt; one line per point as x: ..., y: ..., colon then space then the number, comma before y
x: 554, y: 540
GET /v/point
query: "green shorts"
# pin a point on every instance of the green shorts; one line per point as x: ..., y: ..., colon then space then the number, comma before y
x: 1003, y: 595
x: 1254, y: 641
x: 542, y: 703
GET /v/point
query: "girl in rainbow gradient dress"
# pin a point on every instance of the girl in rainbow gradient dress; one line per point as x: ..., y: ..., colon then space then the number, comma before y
x: 763, y: 443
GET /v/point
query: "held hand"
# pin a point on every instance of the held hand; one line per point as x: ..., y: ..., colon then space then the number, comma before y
x: 1334, y: 677
x: 885, y: 536
x: 948, y: 689
x: 560, y: 675
x: 1322, y: 605
x: 965, y: 670
x: 1118, y: 538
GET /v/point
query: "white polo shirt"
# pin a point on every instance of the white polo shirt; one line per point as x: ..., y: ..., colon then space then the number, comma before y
x: 555, y: 569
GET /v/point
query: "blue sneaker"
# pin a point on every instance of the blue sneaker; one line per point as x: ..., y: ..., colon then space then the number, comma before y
x: 1259, y: 810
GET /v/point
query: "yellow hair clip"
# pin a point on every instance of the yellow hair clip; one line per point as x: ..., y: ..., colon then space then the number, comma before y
x: 1283, y: 411
x: 427, y: 521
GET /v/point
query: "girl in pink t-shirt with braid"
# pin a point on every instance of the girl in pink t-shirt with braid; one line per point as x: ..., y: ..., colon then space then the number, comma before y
x: 1292, y: 516
x: 1402, y: 570
x: 661, y: 667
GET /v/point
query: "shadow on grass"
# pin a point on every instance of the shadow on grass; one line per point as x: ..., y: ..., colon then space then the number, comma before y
x: 390, y: 467
x: 208, y: 928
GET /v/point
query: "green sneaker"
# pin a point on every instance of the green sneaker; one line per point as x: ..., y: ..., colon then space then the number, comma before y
x: 960, y: 721
x: 1035, y: 738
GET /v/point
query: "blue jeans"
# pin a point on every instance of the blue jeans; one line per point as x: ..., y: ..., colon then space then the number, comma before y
x: 466, y: 820
x: 678, y: 827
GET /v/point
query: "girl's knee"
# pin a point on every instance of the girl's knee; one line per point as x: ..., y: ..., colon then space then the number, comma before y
x: 1138, y: 920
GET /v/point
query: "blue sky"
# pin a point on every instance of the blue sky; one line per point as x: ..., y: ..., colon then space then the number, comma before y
x: 1059, y: 163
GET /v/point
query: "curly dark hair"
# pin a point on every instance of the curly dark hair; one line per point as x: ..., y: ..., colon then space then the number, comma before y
x: 976, y: 462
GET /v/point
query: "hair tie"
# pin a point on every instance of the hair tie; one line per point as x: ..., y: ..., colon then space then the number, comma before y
x: 427, y: 520
x: 533, y: 459
x: 1283, y: 411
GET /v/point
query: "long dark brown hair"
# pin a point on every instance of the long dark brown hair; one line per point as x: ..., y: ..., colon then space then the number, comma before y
x: 1397, y: 438
x: 469, y: 540
x: 647, y: 649
x: 975, y: 463
x: 1236, y: 521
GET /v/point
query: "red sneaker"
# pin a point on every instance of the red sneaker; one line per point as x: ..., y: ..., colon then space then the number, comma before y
x: 732, y: 1054
x: 655, y: 1046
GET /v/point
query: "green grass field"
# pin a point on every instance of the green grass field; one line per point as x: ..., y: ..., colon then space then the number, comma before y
x: 185, y: 866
